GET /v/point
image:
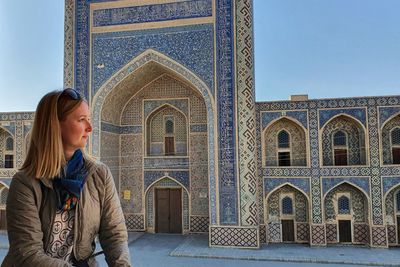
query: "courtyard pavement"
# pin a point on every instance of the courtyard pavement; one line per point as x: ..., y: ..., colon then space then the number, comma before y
x: 192, y: 250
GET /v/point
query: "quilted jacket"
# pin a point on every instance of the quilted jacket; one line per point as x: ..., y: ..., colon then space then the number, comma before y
x: 31, y: 207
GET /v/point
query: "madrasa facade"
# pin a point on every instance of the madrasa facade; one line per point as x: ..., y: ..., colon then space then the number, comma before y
x: 170, y: 84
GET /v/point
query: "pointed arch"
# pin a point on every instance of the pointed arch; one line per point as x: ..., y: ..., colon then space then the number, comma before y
x: 151, y: 56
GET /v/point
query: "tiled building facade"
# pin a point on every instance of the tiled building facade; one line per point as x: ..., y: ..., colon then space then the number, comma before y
x: 171, y: 90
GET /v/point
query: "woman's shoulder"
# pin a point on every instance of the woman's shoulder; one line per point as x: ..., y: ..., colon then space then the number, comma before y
x: 96, y: 166
x: 22, y: 178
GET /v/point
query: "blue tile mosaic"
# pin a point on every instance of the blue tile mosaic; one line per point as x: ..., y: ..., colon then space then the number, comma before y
x: 180, y: 104
x: 268, y: 117
x: 152, y: 13
x: 386, y: 112
x: 358, y: 113
x: 271, y: 183
x: 362, y: 182
x: 226, y: 112
x: 180, y: 176
x: 198, y: 128
x: 389, y: 182
x: 126, y: 129
x: 191, y: 46
x: 166, y: 163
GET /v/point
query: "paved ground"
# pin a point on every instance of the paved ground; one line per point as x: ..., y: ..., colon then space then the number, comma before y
x: 148, y: 250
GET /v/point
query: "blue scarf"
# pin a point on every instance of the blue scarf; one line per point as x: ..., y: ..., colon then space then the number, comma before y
x: 68, y: 185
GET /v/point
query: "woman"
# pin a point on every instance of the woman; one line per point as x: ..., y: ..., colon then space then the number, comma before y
x: 61, y: 199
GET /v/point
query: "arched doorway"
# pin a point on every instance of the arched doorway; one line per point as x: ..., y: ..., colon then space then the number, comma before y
x: 346, y: 215
x: 392, y: 214
x: 167, y: 207
x: 287, y: 215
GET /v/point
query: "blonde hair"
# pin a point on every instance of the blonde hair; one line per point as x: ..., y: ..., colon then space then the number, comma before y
x: 45, y: 156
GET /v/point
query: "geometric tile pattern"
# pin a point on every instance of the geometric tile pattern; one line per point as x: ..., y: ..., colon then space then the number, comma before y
x: 379, y: 236
x: 191, y: 45
x: 245, y: 112
x: 134, y: 222
x: 318, y: 235
x: 263, y: 233
x: 392, y: 234
x: 244, y: 237
x: 152, y: 13
x: 302, y: 232
x: 331, y: 233
x: 361, y: 233
x: 199, y: 224
x: 274, y: 232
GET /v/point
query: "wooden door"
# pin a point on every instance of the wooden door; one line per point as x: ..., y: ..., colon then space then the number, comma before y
x: 345, y: 231
x: 169, y: 146
x: 287, y: 230
x: 168, y: 211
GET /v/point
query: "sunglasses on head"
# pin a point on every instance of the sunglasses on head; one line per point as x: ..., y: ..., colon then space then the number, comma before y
x: 71, y: 93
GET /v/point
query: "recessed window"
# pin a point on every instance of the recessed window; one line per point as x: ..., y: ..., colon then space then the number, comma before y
x: 344, y: 205
x: 398, y: 201
x: 339, y: 139
x: 169, y: 126
x: 340, y: 148
x: 284, y: 158
x: 8, y: 161
x: 287, y: 206
x: 283, y: 139
x: 9, y: 144
x: 396, y: 137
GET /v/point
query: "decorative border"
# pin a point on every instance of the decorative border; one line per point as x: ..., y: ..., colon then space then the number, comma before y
x: 227, y: 158
x: 152, y: 13
x: 69, y: 34
x: 246, y: 112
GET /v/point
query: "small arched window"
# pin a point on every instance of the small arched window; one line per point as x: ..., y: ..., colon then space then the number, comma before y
x: 283, y: 139
x: 169, y: 126
x: 287, y: 206
x: 9, y: 143
x: 339, y: 139
x: 398, y: 201
x: 395, y: 136
x: 343, y: 205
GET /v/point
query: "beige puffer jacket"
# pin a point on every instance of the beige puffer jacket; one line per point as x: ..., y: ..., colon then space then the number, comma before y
x: 31, y: 207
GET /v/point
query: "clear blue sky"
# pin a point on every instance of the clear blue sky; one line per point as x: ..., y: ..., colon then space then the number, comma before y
x: 335, y: 48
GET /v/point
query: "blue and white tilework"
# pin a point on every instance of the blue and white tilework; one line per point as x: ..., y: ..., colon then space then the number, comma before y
x: 152, y: 13
x: 361, y: 182
x: 180, y: 176
x: 326, y: 114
